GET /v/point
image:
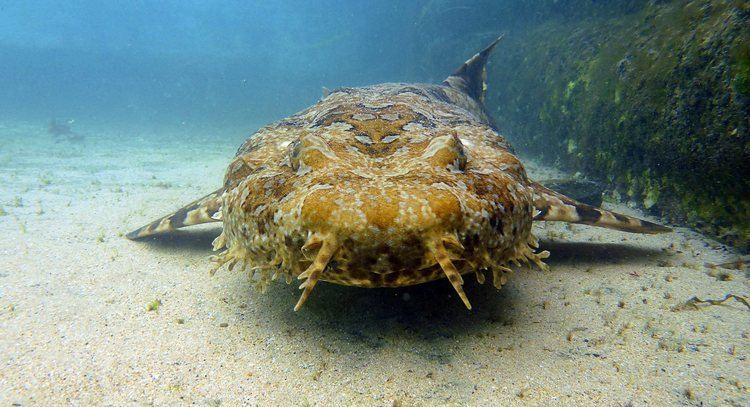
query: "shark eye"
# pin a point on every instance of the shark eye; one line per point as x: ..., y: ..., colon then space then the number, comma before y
x: 447, y: 152
x: 459, y: 153
x: 294, y: 154
x: 308, y: 153
x: 242, y: 167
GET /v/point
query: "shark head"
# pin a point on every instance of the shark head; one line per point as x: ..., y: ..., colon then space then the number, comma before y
x: 384, y: 186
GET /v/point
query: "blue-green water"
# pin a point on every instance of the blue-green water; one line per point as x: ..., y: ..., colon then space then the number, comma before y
x: 195, y: 61
x: 211, y: 61
x: 158, y: 95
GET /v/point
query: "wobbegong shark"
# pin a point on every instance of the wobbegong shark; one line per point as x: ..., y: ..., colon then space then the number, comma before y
x: 387, y: 185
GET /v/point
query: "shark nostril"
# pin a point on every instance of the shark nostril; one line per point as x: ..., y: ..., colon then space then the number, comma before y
x: 452, y: 242
x: 312, y: 244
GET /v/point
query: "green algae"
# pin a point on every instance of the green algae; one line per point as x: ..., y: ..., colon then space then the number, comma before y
x: 693, y: 302
x: 153, y: 305
x: 655, y: 102
x: 741, y: 80
x: 649, y: 96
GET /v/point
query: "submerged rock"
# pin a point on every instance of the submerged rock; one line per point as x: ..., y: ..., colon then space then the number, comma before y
x: 588, y: 192
x: 653, y: 99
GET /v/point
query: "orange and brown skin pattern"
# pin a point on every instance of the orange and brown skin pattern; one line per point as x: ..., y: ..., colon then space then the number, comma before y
x: 382, y: 186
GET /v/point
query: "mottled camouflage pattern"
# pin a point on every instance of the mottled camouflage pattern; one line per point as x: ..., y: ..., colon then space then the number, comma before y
x: 384, y: 186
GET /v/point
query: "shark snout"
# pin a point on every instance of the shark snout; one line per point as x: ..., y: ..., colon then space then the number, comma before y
x: 386, y: 212
x: 381, y: 231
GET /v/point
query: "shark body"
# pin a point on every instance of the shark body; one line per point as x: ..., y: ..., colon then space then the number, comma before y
x: 385, y: 186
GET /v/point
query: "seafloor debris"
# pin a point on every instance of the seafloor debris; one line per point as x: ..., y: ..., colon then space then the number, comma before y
x: 738, y: 264
x: 693, y: 302
x: 153, y: 305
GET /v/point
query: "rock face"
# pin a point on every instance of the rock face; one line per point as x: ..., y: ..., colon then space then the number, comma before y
x: 653, y: 98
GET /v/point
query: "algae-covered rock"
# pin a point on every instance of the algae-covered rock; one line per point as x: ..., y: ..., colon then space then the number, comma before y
x: 588, y: 192
x: 652, y: 97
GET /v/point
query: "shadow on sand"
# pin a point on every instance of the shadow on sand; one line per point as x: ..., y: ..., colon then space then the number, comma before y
x: 196, y: 240
x: 586, y: 254
x: 430, y: 314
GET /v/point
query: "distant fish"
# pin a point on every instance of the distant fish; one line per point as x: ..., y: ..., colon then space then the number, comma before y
x: 385, y: 186
x: 63, y: 132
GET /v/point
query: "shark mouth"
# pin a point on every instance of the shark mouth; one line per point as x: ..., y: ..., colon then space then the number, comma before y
x: 321, y: 249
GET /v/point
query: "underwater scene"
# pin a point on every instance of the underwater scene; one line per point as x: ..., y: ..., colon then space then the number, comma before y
x: 375, y: 203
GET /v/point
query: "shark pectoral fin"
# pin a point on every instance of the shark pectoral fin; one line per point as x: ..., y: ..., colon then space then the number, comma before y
x: 204, y: 210
x: 554, y: 206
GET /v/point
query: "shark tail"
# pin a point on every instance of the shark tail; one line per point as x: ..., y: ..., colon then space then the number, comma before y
x: 554, y: 206
x: 203, y: 210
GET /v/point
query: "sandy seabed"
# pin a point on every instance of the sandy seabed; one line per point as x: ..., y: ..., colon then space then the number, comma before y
x: 608, y: 325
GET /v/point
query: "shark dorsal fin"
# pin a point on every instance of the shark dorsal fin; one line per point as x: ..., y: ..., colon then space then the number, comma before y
x: 470, y: 77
